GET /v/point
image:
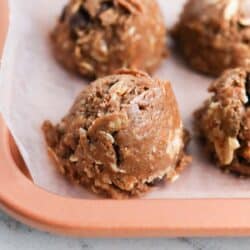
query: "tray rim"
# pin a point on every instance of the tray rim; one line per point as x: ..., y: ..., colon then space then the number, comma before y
x: 26, y: 202
x: 105, y: 218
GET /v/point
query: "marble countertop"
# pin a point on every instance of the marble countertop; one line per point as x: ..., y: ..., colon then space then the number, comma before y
x: 14, y: 235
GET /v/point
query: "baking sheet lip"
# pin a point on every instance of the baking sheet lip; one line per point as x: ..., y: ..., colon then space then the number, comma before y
x: 94, y: 226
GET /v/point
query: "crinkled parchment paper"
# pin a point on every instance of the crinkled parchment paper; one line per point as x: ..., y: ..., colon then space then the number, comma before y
x: 34, y: 87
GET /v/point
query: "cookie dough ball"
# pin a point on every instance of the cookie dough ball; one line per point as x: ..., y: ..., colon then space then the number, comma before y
x: 122, y: 135
x: 214, y: 35
x: 97, y: 37
x: 224, y: 121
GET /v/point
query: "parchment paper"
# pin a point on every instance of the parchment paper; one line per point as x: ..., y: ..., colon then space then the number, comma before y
x: 33, y: 87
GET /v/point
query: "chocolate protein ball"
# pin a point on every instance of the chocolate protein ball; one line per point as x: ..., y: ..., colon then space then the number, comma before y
x: 122, y: 136
x: 214, y: 35
x: 97, y: 37
x: 224, y: 121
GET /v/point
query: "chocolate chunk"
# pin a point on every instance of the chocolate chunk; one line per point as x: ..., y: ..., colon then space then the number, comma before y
x: 63, y: 15
x: 157, y: 182
x: 80, y: 19
x: 118, y: 154
x: 248, y: 86
x: 106, y: 5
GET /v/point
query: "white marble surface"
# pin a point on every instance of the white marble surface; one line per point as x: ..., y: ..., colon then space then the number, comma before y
x: 14, y: 235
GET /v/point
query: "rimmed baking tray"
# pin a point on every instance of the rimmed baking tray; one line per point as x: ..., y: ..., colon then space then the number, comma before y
x: 25, y: 201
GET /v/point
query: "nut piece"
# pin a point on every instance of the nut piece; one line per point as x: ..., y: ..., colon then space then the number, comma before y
x: 225, y: 150
x: 231, y: 9
x: 244, y: 21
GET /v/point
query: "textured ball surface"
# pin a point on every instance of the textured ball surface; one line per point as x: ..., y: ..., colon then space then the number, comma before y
x: 97, y: 37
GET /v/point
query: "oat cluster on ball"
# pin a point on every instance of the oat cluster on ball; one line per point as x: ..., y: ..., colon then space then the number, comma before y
x: 96, y: 37
x: 224, y: 121
x: 214, y: 35
x: 122, y: 136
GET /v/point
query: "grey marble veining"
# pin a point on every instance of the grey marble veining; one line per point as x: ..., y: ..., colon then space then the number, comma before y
x: 14, y: 235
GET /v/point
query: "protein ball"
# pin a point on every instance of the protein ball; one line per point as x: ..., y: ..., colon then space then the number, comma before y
x: 214, y: 35
x: 122, y: 136
x: 224, y: 121
x: 97, y: 37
